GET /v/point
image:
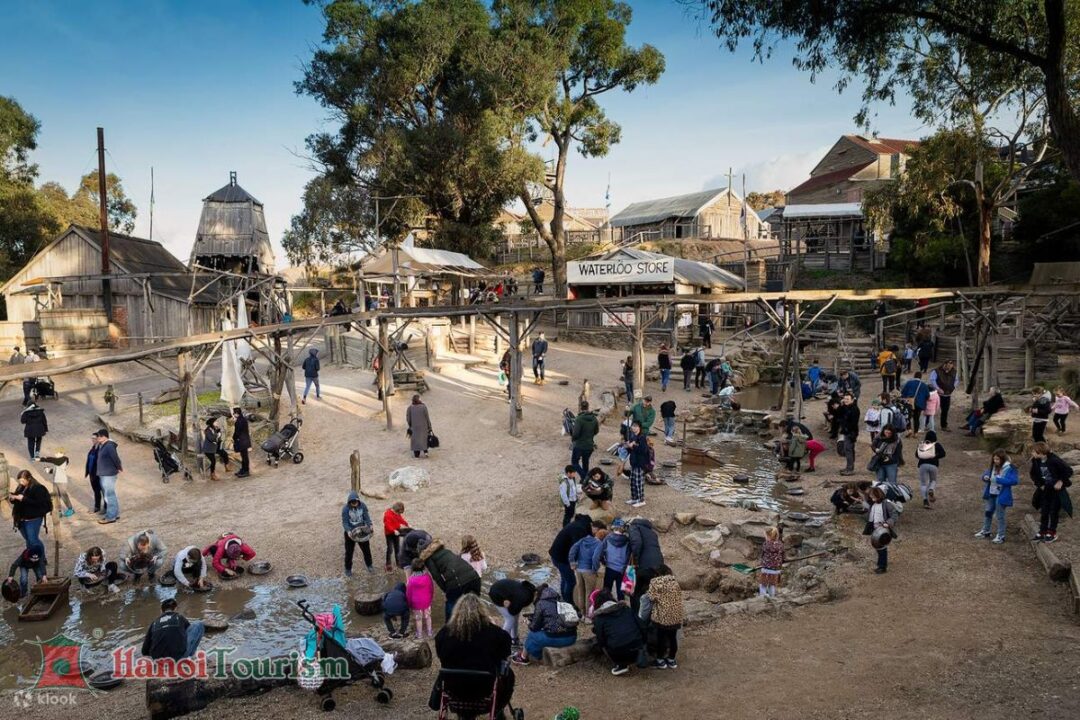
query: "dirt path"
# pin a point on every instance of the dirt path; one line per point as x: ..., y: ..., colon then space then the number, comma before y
x: 958, y: 628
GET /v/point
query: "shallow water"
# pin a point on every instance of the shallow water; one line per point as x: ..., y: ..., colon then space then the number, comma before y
x: 102, y: 623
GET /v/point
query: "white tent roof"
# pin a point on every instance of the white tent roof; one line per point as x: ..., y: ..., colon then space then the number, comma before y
x: 824, y: 210
x: 413, y: 260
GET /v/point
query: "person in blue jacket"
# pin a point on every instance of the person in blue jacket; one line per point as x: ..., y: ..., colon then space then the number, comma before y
x: 356, y: 522
x: 997, y: 494
x: 585, y: 562
x: 311, y: 367
x: 918, y: 391
x: 396, y: 606
x: 615, y: 554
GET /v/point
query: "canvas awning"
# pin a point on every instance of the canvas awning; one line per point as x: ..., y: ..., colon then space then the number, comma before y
x: 413, y: 260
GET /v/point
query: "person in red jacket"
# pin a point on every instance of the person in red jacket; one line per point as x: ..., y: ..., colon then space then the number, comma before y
x: 395, y: 526
x: 227, y: 552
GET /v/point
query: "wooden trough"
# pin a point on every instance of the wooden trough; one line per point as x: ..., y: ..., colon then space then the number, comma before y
x: 46, y: 597
x: 700, y: 456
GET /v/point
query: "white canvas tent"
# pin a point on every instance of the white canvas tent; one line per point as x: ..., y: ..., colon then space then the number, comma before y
x: 413, y: 261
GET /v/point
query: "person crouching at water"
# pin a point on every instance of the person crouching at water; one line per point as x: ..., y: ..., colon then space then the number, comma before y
x: 91, y: 570
x: 172, y: 635
x: 226, y: 553
x: 190, y: 569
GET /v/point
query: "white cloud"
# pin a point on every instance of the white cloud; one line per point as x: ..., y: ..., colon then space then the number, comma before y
x: 780, y: 172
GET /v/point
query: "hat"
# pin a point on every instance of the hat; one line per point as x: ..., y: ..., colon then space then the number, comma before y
x: 232, y: 548
x: 103, y: 432
x: 648, y: 398
x: 618, y: 524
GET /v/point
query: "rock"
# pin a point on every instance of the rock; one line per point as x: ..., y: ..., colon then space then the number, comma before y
x: 740, y: 545
x: 684, y: 518
x: 374, y: 493
x: 663, y: 523
x: 599, y: 513
x: 368, y: 603
x: 215, y: 623
x: 245, y: 614
x: 712, y: 579
x: 725, y: 557
x: 807, y: 577
x: 706, y: 522
x: 736, y: 586
x: 1071, y: 457
x: 749, y: 505
x: 696, y: 612
x: 703, y: 542
x: 691, y: 582
x: 752, y: 530
x: 796, y: 491
x: 409, y: 478
x: 410, y: 654
x: 561, y: 657
x: 793, y: 540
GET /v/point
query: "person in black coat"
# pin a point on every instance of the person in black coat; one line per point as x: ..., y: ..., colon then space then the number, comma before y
x: 242, y: 442
x: 469, y: 641
x: 412, y: 545
x: 645, y: 554
x: 510, y: 598
x: 1051, y: 476
x: 848, y: 419
x: 35, y: 426
x: 617, y: 632
x: 559, y: 552
x: 95, y: 481
x: 31, y: 504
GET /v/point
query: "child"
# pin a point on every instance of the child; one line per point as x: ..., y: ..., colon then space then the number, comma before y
x: 666, y: 599
x: 615, y: 554
x: 1040, y: 414
x: 997, y: 495
x: 568, y: 493
x: 929, y: 413
x: 396, y: 605
x: 667, y: 413
x: 59, y: 464
x: 472, y: 554
x: 873, y: 418
x: 394, y: 526
x: 844, y: 498
x: 585, y: 561
x: 772, y: 562
x: 1062, y: 404
x: 419, y: 592
x: 929, y: 452
x: 909, y: 355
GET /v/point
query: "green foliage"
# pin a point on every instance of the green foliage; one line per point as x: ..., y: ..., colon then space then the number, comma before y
x: 120, y: 210
x: 18, y: 137
x: 25, y: 220
x: 331, y: 224
x: 1049, y: 225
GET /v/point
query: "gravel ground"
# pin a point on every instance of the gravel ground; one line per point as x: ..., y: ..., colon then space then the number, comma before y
x: 956, y: 629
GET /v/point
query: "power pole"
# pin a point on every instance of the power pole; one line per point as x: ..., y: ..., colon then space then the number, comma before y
x: 106, y: 284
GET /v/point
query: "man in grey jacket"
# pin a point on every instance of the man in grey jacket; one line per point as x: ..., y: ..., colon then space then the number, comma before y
x: 109, y: 468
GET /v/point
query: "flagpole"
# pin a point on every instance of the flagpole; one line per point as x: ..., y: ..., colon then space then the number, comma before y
x: 746, y: 235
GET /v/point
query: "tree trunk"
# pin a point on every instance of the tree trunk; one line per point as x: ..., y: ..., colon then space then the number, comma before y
x: 169, y: 699
x: 986, y: 214
x: 1064, y: 122
x: 558, y: 217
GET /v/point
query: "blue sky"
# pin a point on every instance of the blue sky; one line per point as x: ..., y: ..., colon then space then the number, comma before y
x: 198, y: 88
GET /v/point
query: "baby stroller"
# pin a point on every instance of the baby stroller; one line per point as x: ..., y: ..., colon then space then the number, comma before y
x: 168, y: 462
x: 471, y: 694
x: 43, y: 388
x: 280, y: 445
x: 330, y: 644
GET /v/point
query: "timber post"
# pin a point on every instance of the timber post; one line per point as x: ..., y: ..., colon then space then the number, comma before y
x: 386, y: 372
x: 354, y: 471
x: 1029, y: 365
x: 141, y: 421
x: 515, y: 372
x: 639, y: 356
x: 472, y: 336
x: 796, y: 373
x: 278, y: 381
x: 185, y: 382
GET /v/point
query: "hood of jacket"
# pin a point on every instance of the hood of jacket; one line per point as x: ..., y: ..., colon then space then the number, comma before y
x: 313, y: 352
x: 433, y: 547
x: 619, y: 540
x: 353, y: 495
x: 607, y: 608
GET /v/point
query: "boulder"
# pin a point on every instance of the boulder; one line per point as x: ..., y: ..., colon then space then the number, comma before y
x: 561, y: 657
x: 736, y: 586
x: 793, y: 540
x: 685, y: 518
x: 703, y: 542
x: 691, y: 582
x: 706, y: 522
x: 807, y: 577
x: 712, y: 579
x: 410, y: 654
x: 215, y: 623
x: 663, y: 523
x: 696, y: 611
x: 1071, y: 457
x: 599, y: 513
x: 245, y: 614
x: 367, y: 603
x: 754, y: 531
x: 725, y: 557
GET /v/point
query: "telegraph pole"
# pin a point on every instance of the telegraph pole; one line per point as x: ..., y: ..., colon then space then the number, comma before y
x: 106, y: 284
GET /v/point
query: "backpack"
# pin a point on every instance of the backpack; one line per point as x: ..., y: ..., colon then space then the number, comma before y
x: 567, y: 614
x: 897, y: 420
x: 890, y: 365
x: 797, y: 447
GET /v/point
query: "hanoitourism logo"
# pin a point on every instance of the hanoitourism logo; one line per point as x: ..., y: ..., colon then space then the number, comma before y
x: 60, y: 664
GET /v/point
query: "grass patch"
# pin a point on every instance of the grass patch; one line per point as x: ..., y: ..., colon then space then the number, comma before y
x: 207, y: 397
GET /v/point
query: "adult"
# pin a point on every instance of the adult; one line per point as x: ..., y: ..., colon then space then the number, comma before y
x: 628, y: 377
x: 705, y: 329
x: 454, y: 575
x: 242, y: 441
x: 92, y: 569
x: 418, y: 424
x: 663, y: 361
x: 848, y: 419
x: 548, y: 627
x: 929, y: 454
x: 918, y: 393
x: 813, y: 375
x: 538, y: 281
x: 667, y: 414
x: 997, y: 496
x: 30, y: 507
x: 644, y: 414
x: 646, y: 556
x: 617, y: 632
x: 1051, y: 476
x: 712, y: 372
x: 925, y: 352
x: 190, y: 569
x: 412, y: 545
x: 212, y: 446
x: 539, y: 354
x: 640, y: 460
x: 849, y: 382
x: 28, y: 383
x: 470, y: 641
x: 226, y: 552
x: 16, y: 357
x: 35, y: 426
x: 311, y: 366
x: 686, y: 364
x: 95, y: 483
x: 993, y: 404
x: 887, y: 365
x: 944, y: 379
x: 510, y: 597
x: 887, y: 455
x: 30, y: 559
x: 1041, y: 406
x: 108, y: 468
x: 559, y: 552
x: 583, y: 438
x: 699, y: 367
x: 58, y: 466
x: 356, y: 522
x: 172, y: 635
x: 143, y: 552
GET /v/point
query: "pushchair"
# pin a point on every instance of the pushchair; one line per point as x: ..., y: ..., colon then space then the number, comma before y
x: 466, y: 694
x: 168, y: 462
x: 329, y: 645
x: 43, y: 388
x: 280, y: 445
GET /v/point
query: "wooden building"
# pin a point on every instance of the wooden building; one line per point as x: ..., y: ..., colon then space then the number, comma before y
x: 520, y: 241
x: 48, y: 298
x: 707, y: 215
x: 232, y: 233
x: 853, y: 165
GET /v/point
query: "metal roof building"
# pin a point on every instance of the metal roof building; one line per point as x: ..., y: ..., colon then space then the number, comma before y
x: 232, y: 233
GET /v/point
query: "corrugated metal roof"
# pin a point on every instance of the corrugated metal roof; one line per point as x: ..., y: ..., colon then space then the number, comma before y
x: 441, y: 258
x: 826, y: 179
x: 413, y: 260
x: 651, y: 211
x: 884, y: 146
x: 231, y: 193
x: 688, y: 272
x: 823, y: 210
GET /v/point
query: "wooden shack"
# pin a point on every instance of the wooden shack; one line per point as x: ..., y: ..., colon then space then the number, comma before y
x: 57, y: 295
x: 232, y: 233
x: 716, y: 214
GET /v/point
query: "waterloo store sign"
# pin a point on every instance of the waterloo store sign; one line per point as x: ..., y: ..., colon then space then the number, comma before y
x: 654, y: 271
